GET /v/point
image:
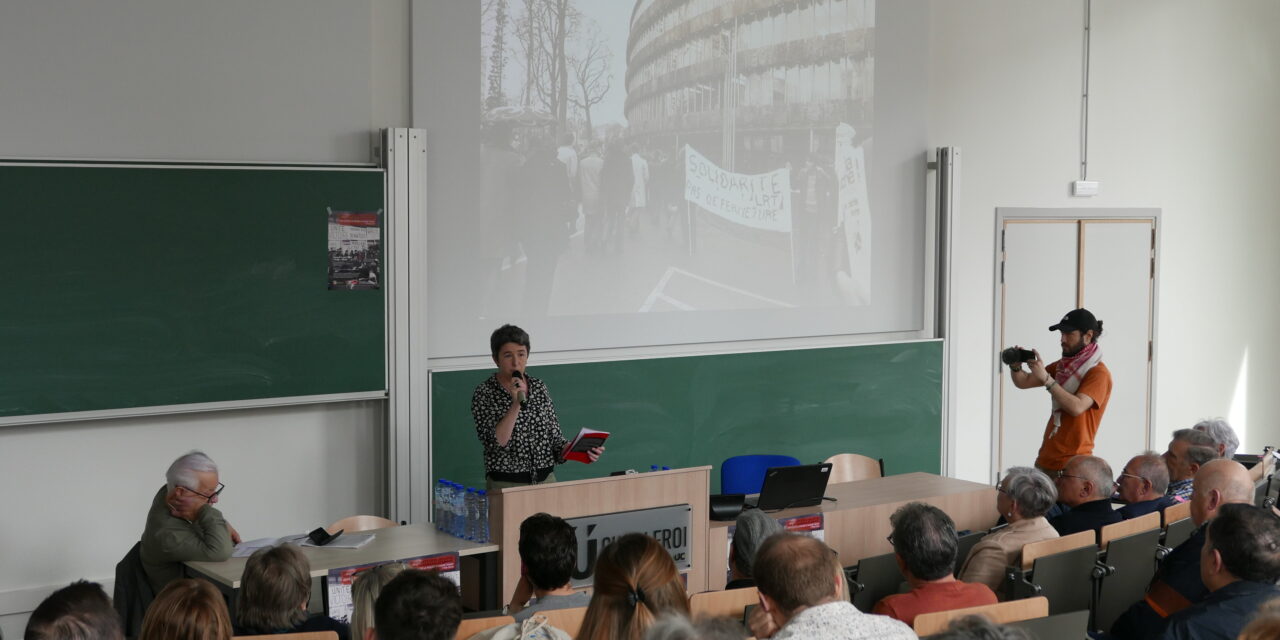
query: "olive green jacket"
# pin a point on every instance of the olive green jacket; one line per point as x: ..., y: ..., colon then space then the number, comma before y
x: 168, y: 541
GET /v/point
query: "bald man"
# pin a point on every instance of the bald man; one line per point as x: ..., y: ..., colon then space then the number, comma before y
x: 1177, y: 584
x: 1085, y: 485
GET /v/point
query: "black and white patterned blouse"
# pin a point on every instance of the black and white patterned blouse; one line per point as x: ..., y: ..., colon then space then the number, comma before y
x: 536, y: 440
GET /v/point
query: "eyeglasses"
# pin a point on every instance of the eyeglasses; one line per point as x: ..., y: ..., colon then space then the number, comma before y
x: 1062, y: 473
x: 1004, y: 491
x: 210, y: 497
x: 1128, y: 475
x: 890, y: 538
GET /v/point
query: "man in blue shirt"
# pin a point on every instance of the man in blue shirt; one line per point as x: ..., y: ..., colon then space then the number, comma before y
x: 1142, y: 484
x: 1239, y: 563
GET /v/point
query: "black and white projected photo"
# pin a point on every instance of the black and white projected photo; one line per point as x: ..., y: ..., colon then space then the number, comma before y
x: 680, y: 165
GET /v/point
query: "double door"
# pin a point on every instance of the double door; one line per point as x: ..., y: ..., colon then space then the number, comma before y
x: 1049, y: 262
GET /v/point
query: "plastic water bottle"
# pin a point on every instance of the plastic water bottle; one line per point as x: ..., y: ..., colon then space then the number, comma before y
x: 459, y: 510
x: 653, y: 467
x: 469, y: 530
x: 446, y: 510
x: 482, y: 515
x: 437, y: 505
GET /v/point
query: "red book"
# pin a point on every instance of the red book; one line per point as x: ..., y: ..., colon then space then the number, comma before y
x: 586, y: 439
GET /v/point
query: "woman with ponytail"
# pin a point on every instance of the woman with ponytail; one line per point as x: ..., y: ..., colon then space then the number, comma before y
x: 636, y: 582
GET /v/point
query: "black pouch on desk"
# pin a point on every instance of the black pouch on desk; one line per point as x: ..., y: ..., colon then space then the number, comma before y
x: 321, y: 537
x: 726, y: 506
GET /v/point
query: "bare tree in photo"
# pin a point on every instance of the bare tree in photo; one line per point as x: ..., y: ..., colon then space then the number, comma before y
x: 497, y: 52
x: 591, y: 74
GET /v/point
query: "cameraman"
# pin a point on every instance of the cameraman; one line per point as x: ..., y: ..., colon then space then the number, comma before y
x: 1079, y: 385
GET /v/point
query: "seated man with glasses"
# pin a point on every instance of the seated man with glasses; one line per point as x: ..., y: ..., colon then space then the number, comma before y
x: 1085, y: 485
x: 183, y: 524
x: 1142, y: 485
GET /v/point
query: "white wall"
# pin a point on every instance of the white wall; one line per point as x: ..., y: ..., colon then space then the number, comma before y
x: 1184, y: 96
x: 235, y: 80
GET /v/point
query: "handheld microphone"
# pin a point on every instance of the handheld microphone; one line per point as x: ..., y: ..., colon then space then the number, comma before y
x: 520, y: 395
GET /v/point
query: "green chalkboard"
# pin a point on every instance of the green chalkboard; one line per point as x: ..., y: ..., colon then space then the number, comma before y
x: 143, y: 286
x: 883, y: 401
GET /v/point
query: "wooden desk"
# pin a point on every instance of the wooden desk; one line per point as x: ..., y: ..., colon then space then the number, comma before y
x: 858, y: 522
x: 392, y: 543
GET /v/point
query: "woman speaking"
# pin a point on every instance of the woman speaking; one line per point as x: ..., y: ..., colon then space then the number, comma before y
x: 515, y: 419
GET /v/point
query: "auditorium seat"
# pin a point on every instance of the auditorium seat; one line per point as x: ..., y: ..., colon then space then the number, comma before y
x: 873, y: 579
x: 745, y: 474
x: 1060, y: 569
x: 927, y: 624
x: 471, y: 626
x: 723, y: 604
x: 848, y: 467
x: 1131, y: 549
x: 567, y: 620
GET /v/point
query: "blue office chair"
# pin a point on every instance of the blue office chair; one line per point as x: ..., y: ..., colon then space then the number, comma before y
x: 745, y: 474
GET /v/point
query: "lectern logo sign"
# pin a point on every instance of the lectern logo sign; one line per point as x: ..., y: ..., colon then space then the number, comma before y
x: 668, y: 525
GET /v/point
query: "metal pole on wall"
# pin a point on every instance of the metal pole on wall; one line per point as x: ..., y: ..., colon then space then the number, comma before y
x: 946, y: 170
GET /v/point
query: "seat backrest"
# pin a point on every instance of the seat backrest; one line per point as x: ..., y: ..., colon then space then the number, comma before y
x: 1125, y: 528
x: 1175, y: 513
x: 964, y: 545
x: 567, y: 620
x: 848, y: 467
x: 1034, y: 550
x: 930, y: 623
x: 471, y: 626
x: 1178, y: 532
x: 1066, y: 578
x: 360, y: 523
x: 879, y: 577
x: 304, y: 635
x: 1133, y: 562
x: 745, y: 474
x: 1064, y: 626
x: 721, y: 604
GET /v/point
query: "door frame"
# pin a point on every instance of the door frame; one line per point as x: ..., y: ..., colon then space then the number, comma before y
x: 1003, y: 216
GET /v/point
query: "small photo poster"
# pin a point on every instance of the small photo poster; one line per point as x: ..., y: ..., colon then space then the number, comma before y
x: 355, y: 250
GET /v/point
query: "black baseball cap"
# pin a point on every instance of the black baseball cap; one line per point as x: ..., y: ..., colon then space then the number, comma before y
x: 1076, y: 320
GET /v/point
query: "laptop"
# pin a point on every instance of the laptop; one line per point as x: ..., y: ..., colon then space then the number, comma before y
x: 797, y: 486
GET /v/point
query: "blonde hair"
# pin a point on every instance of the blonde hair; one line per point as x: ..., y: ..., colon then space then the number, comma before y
x: 364, y: 593
x: 276, y: 583
x: 187, y: 609
x: 635, y: 582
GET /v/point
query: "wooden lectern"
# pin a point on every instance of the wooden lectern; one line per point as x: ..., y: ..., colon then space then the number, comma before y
x: 594, y: 496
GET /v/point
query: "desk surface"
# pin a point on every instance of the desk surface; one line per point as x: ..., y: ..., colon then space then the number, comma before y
x: 392, y: 543
x: 882, y: 491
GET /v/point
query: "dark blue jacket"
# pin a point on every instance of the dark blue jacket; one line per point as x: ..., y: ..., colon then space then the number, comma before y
x: 1139, y: 509
x: 1223, y: 614
x: 1089, y: 516
x: 1174, y: 588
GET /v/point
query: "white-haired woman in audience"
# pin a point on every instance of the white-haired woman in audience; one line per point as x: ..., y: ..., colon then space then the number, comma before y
x: 1227, y: 442
x: 364, y: 592
x: 1023, y: 497
x: 274, y: 593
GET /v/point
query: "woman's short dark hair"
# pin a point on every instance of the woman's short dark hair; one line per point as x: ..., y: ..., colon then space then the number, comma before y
x: 549, y: 550
x: 276, y: 582
x: 507, y: 333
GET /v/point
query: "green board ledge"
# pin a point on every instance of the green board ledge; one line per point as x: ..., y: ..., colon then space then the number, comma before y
x: 193, y: 407
x: 880, y: 400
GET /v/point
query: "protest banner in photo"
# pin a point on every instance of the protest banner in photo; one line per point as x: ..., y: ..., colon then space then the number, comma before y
x: 759, y: 201
x: 854, y: 213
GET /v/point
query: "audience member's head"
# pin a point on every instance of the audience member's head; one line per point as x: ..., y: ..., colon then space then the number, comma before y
x: 1146, y: 477
x: 1188, y: 451
x: 417, y: 605
x: 751, y: 530
x: 274, y: 590
x: 924, y: 539
x: 1025, y: 493
x: 794, y: 572
x: 364, y: 592
x: 674, y: 626
x: 635, y: 582
x: 1224, y: 437
x: 1085, y: 479
x: 187, y: 609
x: 977, y: 627
x: 1242, y: 543
x: 192, y: 482
x: 1217, y: 483
x: 81, y: 611
x: 549, y: 551
x: 1266, y: 626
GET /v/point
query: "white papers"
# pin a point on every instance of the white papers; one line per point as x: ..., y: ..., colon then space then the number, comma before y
x: 246, y: 548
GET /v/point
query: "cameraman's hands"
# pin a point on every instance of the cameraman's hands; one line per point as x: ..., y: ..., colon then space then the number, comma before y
x: 1037, y: 368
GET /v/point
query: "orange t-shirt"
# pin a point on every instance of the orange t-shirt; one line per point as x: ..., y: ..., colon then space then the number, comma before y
x: 934, y: 596
x: 1075, y: 436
